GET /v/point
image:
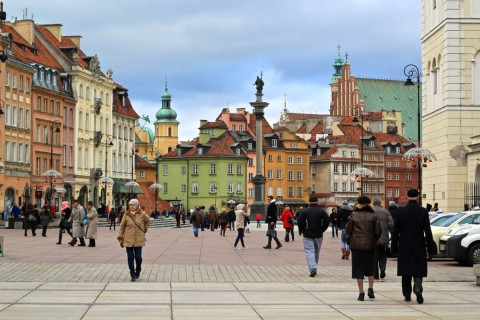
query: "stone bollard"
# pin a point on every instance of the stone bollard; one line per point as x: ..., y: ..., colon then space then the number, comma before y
x: 476, y: 272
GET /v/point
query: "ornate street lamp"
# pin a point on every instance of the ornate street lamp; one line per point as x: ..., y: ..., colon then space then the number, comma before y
x: 361, y: 173
x: 106, y: 181
x: 417, y: 155
x: 132, y: 185
x: 155, y: 187
x: 51, y: 175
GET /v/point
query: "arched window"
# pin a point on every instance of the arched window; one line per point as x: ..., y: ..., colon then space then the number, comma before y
x: 169, y: 132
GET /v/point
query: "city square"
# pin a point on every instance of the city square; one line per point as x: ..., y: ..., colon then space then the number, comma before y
x: 184, y: 277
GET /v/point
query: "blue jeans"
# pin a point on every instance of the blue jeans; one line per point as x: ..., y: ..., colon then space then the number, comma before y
x: 344, y: 240
x: 195, y: 230
x: 239, y: 237
x: 312, y: 248
x: 134, y: 253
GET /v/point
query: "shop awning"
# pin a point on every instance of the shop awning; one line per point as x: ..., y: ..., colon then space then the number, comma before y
x: 60, y: 190
x: 119, y: 187
x: 294, y: 202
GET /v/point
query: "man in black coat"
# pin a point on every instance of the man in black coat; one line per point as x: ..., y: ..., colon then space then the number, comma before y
x: 312, y: 223
x: 271, y: 222
x: 411, y: 238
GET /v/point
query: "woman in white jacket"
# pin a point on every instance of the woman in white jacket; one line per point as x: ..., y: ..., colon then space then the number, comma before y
x: 240, y: 215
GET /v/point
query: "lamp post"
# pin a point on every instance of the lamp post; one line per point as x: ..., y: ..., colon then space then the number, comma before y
x: 155, y: 187
x: 106, y: 182
x: 361, y: 172
x: 51, y: 174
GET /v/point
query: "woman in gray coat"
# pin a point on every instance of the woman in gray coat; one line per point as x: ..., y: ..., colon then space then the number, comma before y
x: 91, y: 228
x: 78, y: 213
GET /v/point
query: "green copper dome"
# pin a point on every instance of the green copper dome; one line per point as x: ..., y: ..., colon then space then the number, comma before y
x: 337, y: 65
x: 166, y: 114
x: 151, y: 135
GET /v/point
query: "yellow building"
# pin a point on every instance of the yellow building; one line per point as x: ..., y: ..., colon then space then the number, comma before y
x: 166, y: 126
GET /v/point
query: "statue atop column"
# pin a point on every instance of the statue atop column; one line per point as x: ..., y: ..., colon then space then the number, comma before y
x: 259, y: 84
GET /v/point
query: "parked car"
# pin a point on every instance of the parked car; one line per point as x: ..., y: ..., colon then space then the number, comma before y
x: 443, y: 224
x: 454, y: 231
x: 465, y: 248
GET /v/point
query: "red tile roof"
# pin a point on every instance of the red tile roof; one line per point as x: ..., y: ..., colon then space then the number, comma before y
x: 142, y: 163
x: 118, y: 108
x: 302, y: 116
x: 214, y: 124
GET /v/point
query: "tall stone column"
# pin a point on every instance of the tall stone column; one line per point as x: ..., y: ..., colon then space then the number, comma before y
x: 259, y: 180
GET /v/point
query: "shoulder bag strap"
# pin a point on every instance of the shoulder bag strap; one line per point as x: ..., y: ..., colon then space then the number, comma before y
x: 135, y: 223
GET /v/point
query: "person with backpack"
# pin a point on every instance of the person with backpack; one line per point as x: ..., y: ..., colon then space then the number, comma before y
x: 30, y: 220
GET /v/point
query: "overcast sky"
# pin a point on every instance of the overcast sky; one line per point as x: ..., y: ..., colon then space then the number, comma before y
x: 212, y: 50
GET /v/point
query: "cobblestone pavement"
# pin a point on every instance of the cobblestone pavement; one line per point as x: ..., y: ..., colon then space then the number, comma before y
x: 204, y: 278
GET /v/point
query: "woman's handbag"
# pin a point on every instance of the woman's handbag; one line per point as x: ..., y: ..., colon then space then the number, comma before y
x: 271, y: 232
x: 85, y: 221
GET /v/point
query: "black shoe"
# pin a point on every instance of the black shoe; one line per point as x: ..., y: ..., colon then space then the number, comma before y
x: 382, y: 274
x: 419, y: 295
x: 408, y: 299
x: 137, y: 275
x: 370, y: 293
x: 361, y: 297
x: 313, y: 273
x: 133, y: 279
x: 81, y: 245
x: 267, y: 247
x: 278, y: 246
x: 71, y: 243
x: 44, y: 235
x: 58, y: 243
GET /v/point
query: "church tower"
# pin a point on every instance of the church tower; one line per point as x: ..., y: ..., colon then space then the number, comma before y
x: 450, y: 96
x: 166, y: 126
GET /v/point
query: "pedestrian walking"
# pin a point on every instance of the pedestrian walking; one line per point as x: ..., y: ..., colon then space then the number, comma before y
x: 364, y: 230
x: 392, y: 208
x: 30, y: 220
x: 312, y: 223
x: 411, y: 239
x: 343, y: 215
x: 271, y: 221
x: 112, y: 217
x: 131, y: 235
x: 91, y: 227
x: 386, y: 223
x: 231, y: 218
x: 45, y: 218
x: 64, y: 225
x: 76, y: 220
x: 223, y: 219
x: 287, y: 218
x: 213, y: 216
x: 334, y: 222
x: 177, y: 216
x: 258, y: 217
x: 240, y: 215
x: 196, y: 219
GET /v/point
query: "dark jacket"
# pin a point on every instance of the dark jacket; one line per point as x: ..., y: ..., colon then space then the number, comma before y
x: 393, y: 211
x: 363, y: 228
x: 271, y: 213
x: 386, y: 222
x: 343, y: 215
x: 312, y: 222
x: 411, y: 238
x: 334, y: 217
x: 231, y: 215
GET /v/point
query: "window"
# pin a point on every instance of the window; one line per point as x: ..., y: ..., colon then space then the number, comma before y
x: 20, y: 152
x: 335, y: 187
x: 195, y: 169
x: 27, y: 119
x: 344, y: 186
x: 250, y: 192
x: 397, y: 149
x: 365, y: 188
x: 213, y: 187
x: 250, y: 176
x: 213, y: 168
x: 371, y: 144
x: 230, y: 168
x: 142, y: 174
x: 238, y: 152
x: 365, y: 157
x: 389, y: 193
x: 380, y: 173
x: 290, y: 160
x: 250, y: 146
x: 240, y: 128
x: 290, y: 192
x: 380, y: 188
x: 344, y: 153
x: 14, y: 116
x: 184, y: 170
x: 27, y: 85
x: 279, y: 174
x: 270, y: 157
x: 234, y: 127
x: 45, y: 134
x: 313, y: 170
x: 86, y: 121
x: 270, y: 174
x: 7, y: 79
x: 300, y: 175
x: 397, y: 192
x: 373, y: 188
x: 27, y: 153
x: 299, y: 160
x: 270, y: 191
x: 20, y: 82
x: 20, y: 118
x: 194, y: 187
x: 335, y: 168
x: 239, y: 187
x: 200, y: 151
x: 87, y: 93
x: 290, y: 175
x: 14, y: 151
x: 239, y: 169
x: 279, y: 191
x: 353, y: 166
x: 389, y: 176
x: 344, y: 168
x: 183, y: 187
x: 14, y: 81
x: 389, y: 150
x: 279, y: 158
x: 408, y: 177
x: 373, y: 157
x: 250, y: 162
x: 396, y: 176
x: 353, y: 154
x: 353, y: 187
x: 165, y: 169
x: 389, y: 164
x: 70, y: 156
x: 79, y: 158
x: 274, y: 143
x: 230, y: 187
x: 37, y: 166
x: 396, y: 164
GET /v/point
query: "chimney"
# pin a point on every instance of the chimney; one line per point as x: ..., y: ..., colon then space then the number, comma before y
x: 55, y: 29
x: 25, y: 28
x: 75, y: 40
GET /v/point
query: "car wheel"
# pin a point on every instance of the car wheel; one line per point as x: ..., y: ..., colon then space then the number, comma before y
x: 473, y: 256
